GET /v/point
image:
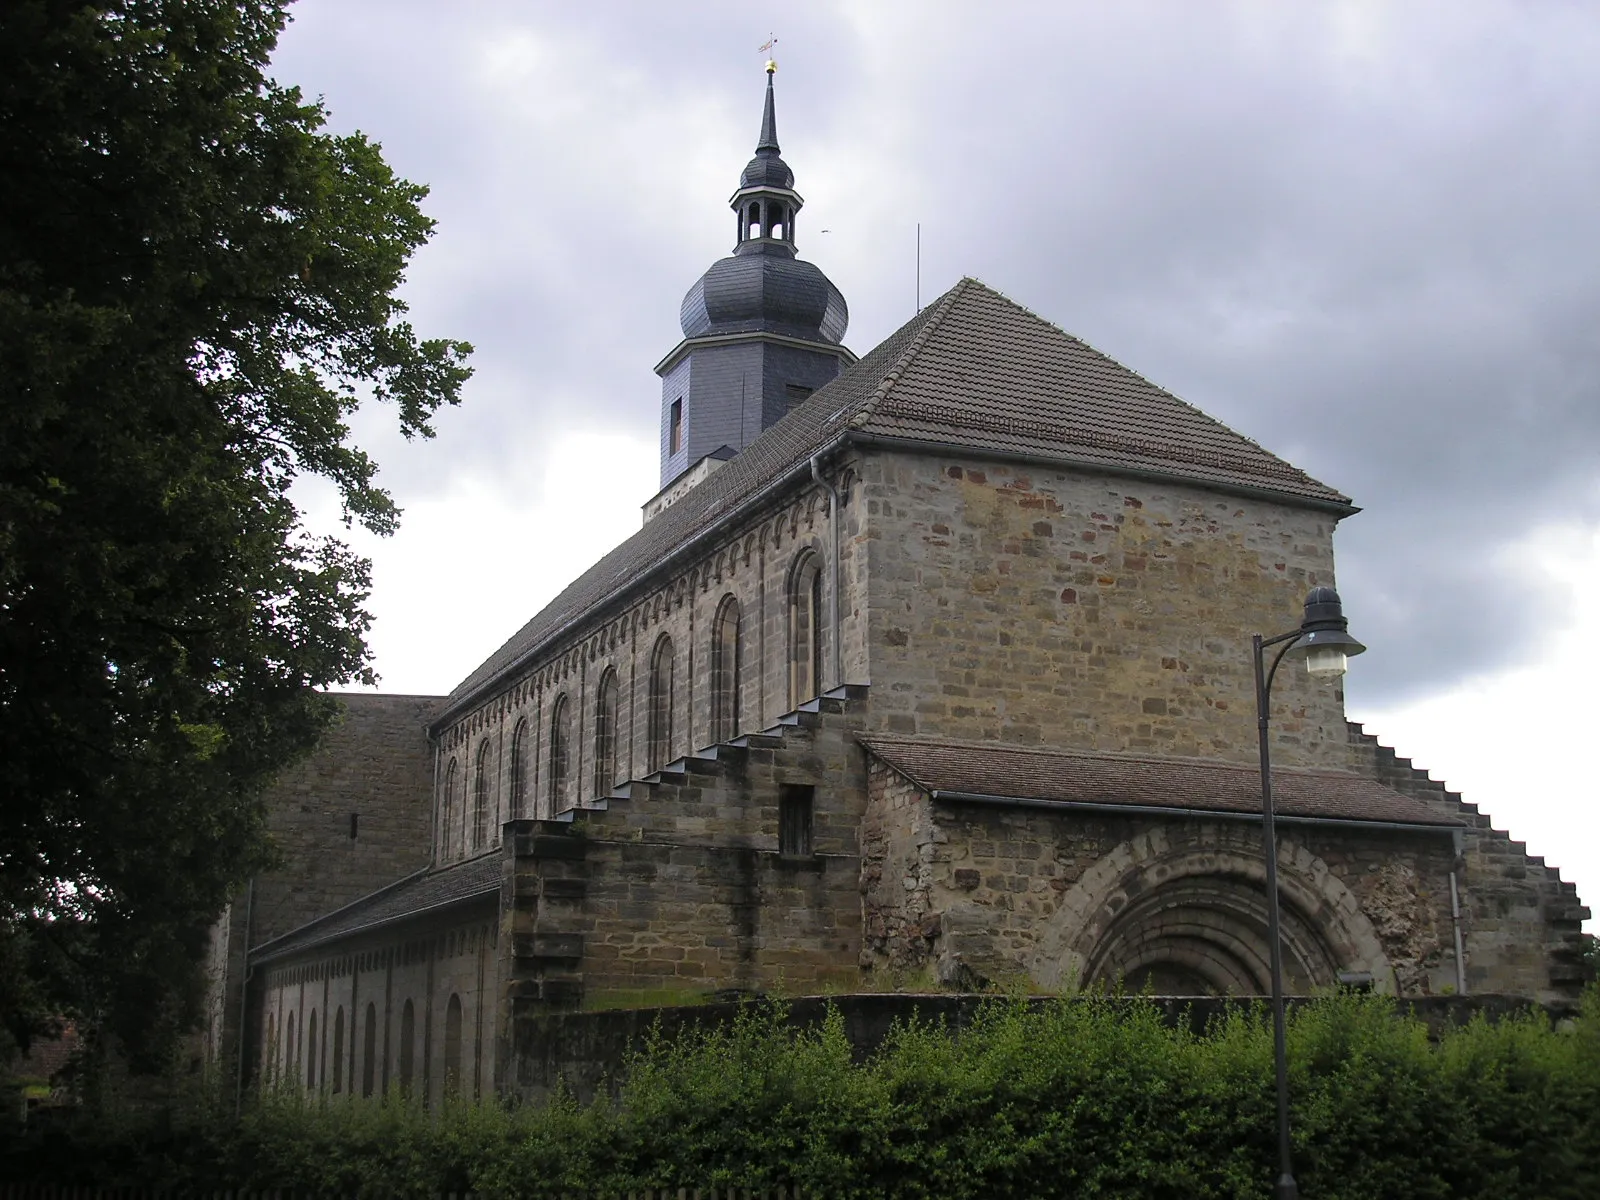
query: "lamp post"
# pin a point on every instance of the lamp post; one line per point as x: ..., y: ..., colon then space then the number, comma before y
x: 1323, y: 639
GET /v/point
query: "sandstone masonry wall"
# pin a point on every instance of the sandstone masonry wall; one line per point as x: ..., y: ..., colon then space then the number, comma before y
x: 680, y: 887
x: 350, y: 819
x: 426, y: 962
x: 973, y: 894
x: 752, y: 562
x: 1040, y: 605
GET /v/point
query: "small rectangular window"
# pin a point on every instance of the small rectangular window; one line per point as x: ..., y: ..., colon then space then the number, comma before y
x: 797, y: 393
x: 675, y: 428
x: 795, y: 802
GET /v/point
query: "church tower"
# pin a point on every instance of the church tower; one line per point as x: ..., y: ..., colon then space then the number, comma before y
x: 762, y: 329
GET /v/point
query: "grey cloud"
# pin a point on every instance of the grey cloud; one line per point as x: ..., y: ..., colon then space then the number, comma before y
x: 1275, y: 215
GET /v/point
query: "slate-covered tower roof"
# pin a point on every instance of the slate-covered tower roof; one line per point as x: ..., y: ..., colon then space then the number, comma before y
x: 762, y: 329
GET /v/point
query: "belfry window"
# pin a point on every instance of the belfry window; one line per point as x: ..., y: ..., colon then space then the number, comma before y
x: 725, y: 671
x: 480, y: 798
x: 675, y: 427
x: 659, y: 734
x: 805, y: 632
x: 605, y: 734
x: 560, y: 754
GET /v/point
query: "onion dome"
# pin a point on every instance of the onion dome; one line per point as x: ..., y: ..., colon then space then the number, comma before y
x: 762, y: 287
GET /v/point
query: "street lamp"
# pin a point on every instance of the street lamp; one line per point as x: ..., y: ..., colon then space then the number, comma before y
x: 1325, y: 643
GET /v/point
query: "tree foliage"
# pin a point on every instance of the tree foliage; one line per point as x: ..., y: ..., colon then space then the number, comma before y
x: 197, y: 287
x: 1081, y: 1098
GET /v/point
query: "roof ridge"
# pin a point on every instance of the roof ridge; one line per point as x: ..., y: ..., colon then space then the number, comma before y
x: 941, y: 307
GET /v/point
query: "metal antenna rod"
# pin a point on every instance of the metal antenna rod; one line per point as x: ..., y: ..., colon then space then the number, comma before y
x: 919, y: 266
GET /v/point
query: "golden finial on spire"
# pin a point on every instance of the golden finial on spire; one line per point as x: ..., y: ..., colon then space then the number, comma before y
x: 772, y: 63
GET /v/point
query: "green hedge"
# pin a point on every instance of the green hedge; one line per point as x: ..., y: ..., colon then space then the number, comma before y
x: 1082, y: 1098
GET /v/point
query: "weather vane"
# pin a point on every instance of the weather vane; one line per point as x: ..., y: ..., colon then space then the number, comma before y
x: 766, y: 48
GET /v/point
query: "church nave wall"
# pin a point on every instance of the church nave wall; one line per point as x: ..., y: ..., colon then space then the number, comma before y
x: 375, y: 1016
x: 1050, y: 606
x: 505, y: 758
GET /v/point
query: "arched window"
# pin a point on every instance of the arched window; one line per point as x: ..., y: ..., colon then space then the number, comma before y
x: 605, y: 734
x: 805, y: 629
x: 725, y: 671
x: 270, y: 1058
x: 480, y: 798
x: 338, y: 1049
x: 288, y: 1049
x: 452, y: 1047
x: 369, y: 1052
x: 560, y: 754
x: 408, y: 1033
x: 521, y: 768
x: 659, y: 734
x: 311, y: 1050
x: 447, y: 826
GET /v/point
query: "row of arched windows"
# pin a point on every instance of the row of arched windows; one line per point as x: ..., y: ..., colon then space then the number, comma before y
x: 470, y: 832
x: 290, y: 1065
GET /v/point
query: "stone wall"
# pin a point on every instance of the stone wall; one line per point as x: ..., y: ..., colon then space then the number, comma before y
x: 1047, y: 606
x: 1522, y: 923
x: 350, y: 819
x: 426, y: 962
x: 751, y: 562
x: 680, y: 888
x: 586, y: 1051
x: 975, y: 894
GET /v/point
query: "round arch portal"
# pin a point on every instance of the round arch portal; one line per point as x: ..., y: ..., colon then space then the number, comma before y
x: 1190, y: 918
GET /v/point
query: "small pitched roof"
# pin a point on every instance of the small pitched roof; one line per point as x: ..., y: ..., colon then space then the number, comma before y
x: 417, y: 895
x: 973, y: 371
x: 1023, y: 773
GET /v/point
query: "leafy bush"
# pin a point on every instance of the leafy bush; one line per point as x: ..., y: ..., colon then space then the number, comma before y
x: 1092, y: 1097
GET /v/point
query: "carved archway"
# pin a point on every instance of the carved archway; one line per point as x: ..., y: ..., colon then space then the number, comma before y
x: 1190, y: 910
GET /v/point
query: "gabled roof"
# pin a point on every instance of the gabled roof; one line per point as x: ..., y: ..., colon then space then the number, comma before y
x: 973, y: 371
x: 418, y: 895
x: 984, y: 769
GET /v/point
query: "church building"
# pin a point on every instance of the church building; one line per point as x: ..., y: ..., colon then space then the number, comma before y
x: 926, y: 670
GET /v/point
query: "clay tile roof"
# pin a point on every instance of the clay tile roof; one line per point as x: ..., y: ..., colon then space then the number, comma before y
x: 972, y: 371
x: 414, y: 896
x: 986, y: 769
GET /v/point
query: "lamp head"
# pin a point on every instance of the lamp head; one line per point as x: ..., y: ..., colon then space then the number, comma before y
x: 1325, y: 639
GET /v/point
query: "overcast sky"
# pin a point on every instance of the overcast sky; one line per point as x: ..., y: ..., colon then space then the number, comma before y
x: 1363, y: 234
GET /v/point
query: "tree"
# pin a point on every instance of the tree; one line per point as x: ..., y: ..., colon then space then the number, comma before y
x: 197, y: 287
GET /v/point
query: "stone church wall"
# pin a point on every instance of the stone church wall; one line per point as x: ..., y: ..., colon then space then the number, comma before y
x: 681, y: 890
x: 426, y: 963
x: 1522, y: 922
x: 1039, y: 605
x: 753, y: 563
x: 962, y: 895
x: 351, y: 818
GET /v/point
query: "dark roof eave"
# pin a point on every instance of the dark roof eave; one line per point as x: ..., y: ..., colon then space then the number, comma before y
x: 888, y: 441
x: 265, y: 952
x: 1173, y: 810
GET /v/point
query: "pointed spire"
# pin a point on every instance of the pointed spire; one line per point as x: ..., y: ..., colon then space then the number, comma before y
x: 769, y: 118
